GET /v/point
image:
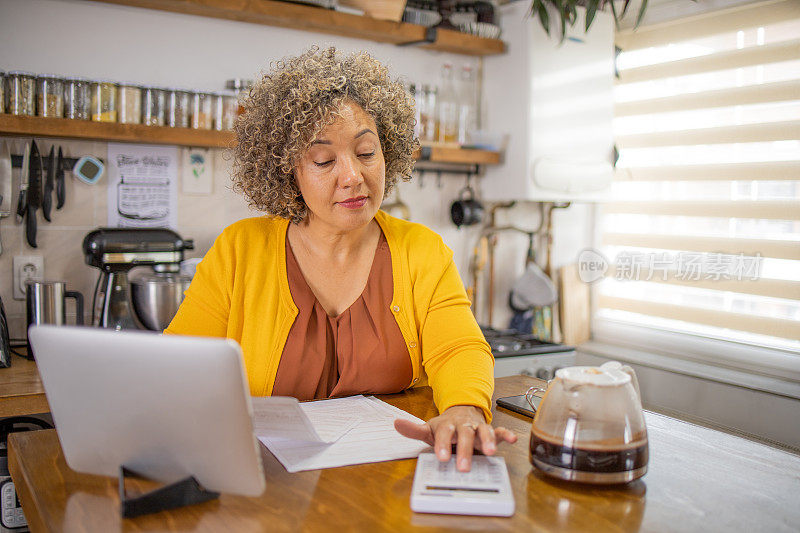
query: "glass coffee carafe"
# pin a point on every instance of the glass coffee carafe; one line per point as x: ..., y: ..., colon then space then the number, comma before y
x: 589, y: 426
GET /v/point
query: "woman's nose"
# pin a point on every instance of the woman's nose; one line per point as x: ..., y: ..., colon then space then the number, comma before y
x: 350, y: 172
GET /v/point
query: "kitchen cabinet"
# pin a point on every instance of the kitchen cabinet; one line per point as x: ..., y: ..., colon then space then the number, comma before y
x: 315, y: 19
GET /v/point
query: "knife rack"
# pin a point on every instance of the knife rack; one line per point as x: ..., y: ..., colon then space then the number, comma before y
x: 16, y: 162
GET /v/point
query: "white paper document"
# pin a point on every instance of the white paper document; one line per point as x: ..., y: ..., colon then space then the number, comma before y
x: 371, y: 439
x: 283, y: 417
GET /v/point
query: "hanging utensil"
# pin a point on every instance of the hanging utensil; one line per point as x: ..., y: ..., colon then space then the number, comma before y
x: 5, y: 183
x: 61, y: 191
x: 34, y: 195
x: 49, y: 184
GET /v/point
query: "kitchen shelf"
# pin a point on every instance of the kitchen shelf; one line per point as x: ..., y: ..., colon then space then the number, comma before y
x: 319, y: 20
x: 137, y: 133
x: 452, y: 153
x: 108, y: 131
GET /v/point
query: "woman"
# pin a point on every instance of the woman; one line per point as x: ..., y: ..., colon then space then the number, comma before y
x: 328, y: 295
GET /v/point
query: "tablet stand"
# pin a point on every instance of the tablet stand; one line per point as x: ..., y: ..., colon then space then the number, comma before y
x: 179, y: 494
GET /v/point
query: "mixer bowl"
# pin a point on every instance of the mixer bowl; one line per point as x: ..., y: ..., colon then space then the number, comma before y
x: 157, y: 296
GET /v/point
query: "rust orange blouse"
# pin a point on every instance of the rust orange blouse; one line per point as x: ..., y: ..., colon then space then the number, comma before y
x: 361, y: 351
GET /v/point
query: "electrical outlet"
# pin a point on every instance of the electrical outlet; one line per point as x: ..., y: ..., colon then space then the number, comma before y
x: 26, y: 267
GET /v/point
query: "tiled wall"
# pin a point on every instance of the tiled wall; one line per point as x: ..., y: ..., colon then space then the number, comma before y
x: 200, y: 217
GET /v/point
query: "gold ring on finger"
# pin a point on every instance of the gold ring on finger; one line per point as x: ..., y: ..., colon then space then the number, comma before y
x: 472, y: 425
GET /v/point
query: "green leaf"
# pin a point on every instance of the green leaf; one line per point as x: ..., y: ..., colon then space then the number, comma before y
x: 591, y: 10
x: 564, y: 15
x: 614, y: 12
x: 624, y: 8
x: 544, y: 16
x: 642, y: 8
x: 573, y: 11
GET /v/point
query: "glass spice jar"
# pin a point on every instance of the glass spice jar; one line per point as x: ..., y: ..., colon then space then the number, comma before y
x: 50, y: 96
x: 176, y: 109
x: 201, y: 110
x: 226, y: 108
x: 77, y: 98
x: 129, y: 103
x: 20, y: 93
x: 2, y: 91
x: 152, y: 106
x: 104, y: 101
x: 240, y: 87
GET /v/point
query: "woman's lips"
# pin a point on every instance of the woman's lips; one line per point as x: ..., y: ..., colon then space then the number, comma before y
x: 354, y: 203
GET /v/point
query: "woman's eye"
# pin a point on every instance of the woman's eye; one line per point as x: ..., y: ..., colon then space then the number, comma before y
x: 370, y: 154
x: 323, y: 163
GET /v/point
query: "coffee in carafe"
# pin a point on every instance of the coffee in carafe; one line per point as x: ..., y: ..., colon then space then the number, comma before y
x: 589, y: 426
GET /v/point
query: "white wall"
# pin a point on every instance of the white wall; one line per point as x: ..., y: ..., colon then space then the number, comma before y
x: 162, y: 48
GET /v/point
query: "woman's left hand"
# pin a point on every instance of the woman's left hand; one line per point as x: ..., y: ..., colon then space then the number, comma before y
x: 462, y: 425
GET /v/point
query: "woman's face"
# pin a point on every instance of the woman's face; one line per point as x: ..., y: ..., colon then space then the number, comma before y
x: 342, y: 175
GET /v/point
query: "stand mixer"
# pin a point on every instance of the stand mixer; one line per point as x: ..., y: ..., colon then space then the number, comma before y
x: 115, y: 251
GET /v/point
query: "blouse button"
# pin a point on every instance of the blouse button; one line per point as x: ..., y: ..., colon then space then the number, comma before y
x: 396, y: 308
x: 415, y: 380
x: 413, y: 345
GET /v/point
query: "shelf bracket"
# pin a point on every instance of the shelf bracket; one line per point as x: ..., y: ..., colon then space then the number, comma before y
x: 430, y: 37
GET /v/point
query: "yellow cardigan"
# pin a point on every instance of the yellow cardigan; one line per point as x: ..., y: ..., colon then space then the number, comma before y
x: 241, y: 292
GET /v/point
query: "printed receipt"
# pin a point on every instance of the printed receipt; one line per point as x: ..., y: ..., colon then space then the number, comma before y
x: 331, y: 433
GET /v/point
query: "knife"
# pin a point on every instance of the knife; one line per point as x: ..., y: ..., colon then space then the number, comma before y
x: 61, y: 192
x: 22, y: 201
x: 5, y: 183
x: 34, y: 194
x: 47, y: 199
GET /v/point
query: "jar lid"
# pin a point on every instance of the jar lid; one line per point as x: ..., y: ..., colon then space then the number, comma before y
x: 111, y: 82
x: 593, y: 375
x: 21, y: 73
x: 50, y: 77
x: 128, y: 84
x: 77, y: 78
x: 238, y: 84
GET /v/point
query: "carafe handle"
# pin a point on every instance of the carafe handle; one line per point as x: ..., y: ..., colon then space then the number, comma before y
x: 616, y: 365
x: 529, y: 396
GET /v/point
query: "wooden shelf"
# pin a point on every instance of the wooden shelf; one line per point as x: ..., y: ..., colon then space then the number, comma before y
x: 452, y: 153
x: 107, y: 131
x: 315, y: 19
x: 137, y: 133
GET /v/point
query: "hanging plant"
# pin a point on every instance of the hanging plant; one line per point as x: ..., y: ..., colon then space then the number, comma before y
x: 565, y: 12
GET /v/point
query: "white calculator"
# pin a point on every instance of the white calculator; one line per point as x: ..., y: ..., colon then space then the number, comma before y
x: 440, y: 488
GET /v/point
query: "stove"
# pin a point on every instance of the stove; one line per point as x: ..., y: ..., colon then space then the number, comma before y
x: 522, y: 353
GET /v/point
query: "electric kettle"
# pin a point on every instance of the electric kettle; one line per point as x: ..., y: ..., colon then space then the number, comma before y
x: 589, y: 426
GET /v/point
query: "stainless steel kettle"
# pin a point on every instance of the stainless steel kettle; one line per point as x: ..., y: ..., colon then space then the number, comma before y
x: 46, y: 304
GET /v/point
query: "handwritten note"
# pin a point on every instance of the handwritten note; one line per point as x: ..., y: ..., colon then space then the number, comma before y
x: 142, y: 186
x: 373, y: 439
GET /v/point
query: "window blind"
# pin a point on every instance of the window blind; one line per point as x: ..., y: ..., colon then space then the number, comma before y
x: 703, y: 229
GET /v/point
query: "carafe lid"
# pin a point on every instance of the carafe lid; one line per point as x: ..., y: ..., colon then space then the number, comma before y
x: 594, y: 375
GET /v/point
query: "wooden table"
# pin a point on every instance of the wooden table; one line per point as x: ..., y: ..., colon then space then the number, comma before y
x: 699, y: 480
x: 21, y: 390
